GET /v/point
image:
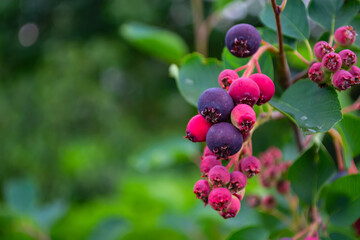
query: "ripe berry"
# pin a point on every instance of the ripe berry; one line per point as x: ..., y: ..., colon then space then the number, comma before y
x: 208, y: 163
x: 243, y: 117
x: 244, y: 90
x: 242, y: 40
x: 331, y: 62
x: 197, y: 129
x: 342, y: 80
x: 219, y: 176
x: 266, y: 86
x: 202, y: 190
x: 226, y: 77
x: 355, y: 71
x: 250, y: 166
x: 348, y: 58
x: 207, y: 152
x: 238, y: 181
x: 283, y: 187
x: 220, y: 198
x: 224, y: 140
x: 232, y: 210
x: 268, y: 202
x: 345, y: 36
x: 215, y: 105
x: 253, y: 200
x: 321, y: 49
x: 316, y: 73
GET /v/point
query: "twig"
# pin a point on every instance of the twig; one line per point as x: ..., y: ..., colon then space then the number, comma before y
x: 337, y: 144
x: 302, y: 58
x: 353, y: 107
x: 298, y: 137
x: 353, y: 169
x: 300, y: 75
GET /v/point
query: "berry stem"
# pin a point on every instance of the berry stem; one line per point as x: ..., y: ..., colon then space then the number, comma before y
x: 302, y: 58
x: 353, y: 169
x: 331, y: 40
x: 241, y: 68
x: 337, y: 144
x: 309, y: 48
x: 256, y: 56
x: 282, y: 5
x: 300, y: 75
x: 258, y: 66
x: 353, y: 107
x: 229, y: 165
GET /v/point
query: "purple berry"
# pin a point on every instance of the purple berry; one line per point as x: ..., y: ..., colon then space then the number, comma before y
x: 197, y: 129
x: 220, y: 198
x: 244, y: 90
x: 348, y: 58
x: 269, y: 202
x: 355, y: 71
x: 345, y: 36
x: 321, y: 49
x: 232, y: 210
x: 226, y: 77
x: 215, y: 105
x: 242, y: 40
x: 342, y: 80
x: 316, y: 73
x: 243, y: 117
x: 332, y: 62
x: 219, y: 176
x: 238, y: 181
x: 208, y: 163
x: 224, y: 140
x: 250, y: 166
x: 283, y: 187
x: 266, y: 86
x: 202, y: 190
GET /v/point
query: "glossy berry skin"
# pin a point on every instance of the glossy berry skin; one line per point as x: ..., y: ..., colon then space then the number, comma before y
x: 242, y: 40
x: 202, y: 190
x: 355, y: 71
x: 215, y: 105
x: 243, y: 117
x: 348, y: 58
x: 316, y: 73
x: 321, y: 49
x: 244, y: 91
x: 283, y: 187
x: 331, y: 62
x: 224, y: 140
x: 342, y: 80
x: 208, y: 163
x: 220, y: 198
x: 268, y: 202
x: 345, y: 36
x: 232, y: 210
x: 250, y: 166
x: 219, y: 176
x: 266, y: 86
x: 226, y: 77
x: 238, y: 181
x: 197, y: 129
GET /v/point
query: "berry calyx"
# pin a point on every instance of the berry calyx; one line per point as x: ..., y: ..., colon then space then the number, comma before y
x: 244, y: 90
x: 321, y: 49
x: 316, y: 73
x: 250, y: 166
x: 342, y: 80
x: 202, y: 190
x: 226, y: 77
x: 238, y: 181
x: 266, y: 86
x: 233, y: 209
x: 219, y: 198
x: 219, y: 176
x: 243, y: 117
x: 207, y: 152
x: 331, y: 62
x: 345, y: 36
x: 208, y: 163
x: 348, y: 58
x: 197, y: 129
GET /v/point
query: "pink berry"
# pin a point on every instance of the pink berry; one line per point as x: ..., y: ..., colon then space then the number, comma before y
x: 321, y: 49
x: 253, y: 200
x: 202, y: 190
x: 272, y: 172
x: 266, y: 86
x: 208, y: 163
x: 345, y: 36
x: 243, y: 117
x: 269, y: 202
x: 355, y: 71
x: 342, y: 80
x: 238, y: 181
x: 250, y: 166
x: 207, y: 152
x: 311, y: 238
x: 220, y: 198
x: 226, y: 77
x: 265, y: 181
x: 219, y: 176
x: 348, y: 58
x: 283, y: 187
x: 232, y: 210
x: 316, y: 73
x: 275, y: 152
x: 332, y: 62
x: 197, y: 129
x: 244, y: 90
x: 266, y: 159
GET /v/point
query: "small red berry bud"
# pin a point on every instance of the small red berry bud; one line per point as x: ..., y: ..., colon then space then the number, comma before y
x: 226, y: 77
x: 233, y: 209
x: 355, y: 71
x: 219, y: 176
x: 253, y: 200
x: 342, y: 80
x: 348, y: 58
x: 250, y: 166
x: 197, y: 129
x: 321, y: 49
x: 237, y: 181
x: 243, y: 117
x: 220, y: 198
x: 345, y: 36
x: 331, y: 62
x: 316, y: 73
x: 202, y: 190
x: 283, y: 187
x: 266, y: 86
x: 269, y: 202
x: 207, y: 163
x: 244, y: 90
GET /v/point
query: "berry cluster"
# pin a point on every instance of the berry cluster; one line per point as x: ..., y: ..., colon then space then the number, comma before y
x: 339, y: 67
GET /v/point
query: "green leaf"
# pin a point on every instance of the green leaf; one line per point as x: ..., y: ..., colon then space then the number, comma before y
x: 111, y: 228
x: 356, y: 24
x: 342, y: 200
x: 195, y: 75
x: 47, y: 215
x: 331, y: 14
x: 157, y: 42
x: 270, y: 36
x: 253, y: 233
x: 20, y: 195
x: 340, y: 236
x: 294, y: 20
x: 309, y: 172
x: 312, y: 108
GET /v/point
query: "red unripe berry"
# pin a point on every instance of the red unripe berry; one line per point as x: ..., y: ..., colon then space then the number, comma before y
x: 342, y: 80
x: 244, y: 90
x: 348, y: 58
x: 220, y: 198
x: 232, y: 210
x: 208, y: 163
x: 356, y: 226
x: 266, y: 86
x: 219, y: 176
x: 272, y: 172
x: 243, y: 117
x: 253, y: 200
x: 197, y: 129
x: 321, y: 49
x: 202, y: 190
x: 250, y: 166
x: 265, y: 181
x: 226, y: 77
x: 331, y: 62
x: 269, y: 202
x: 355, y: 71
x: 283, y: 187
x: 316, y: 73
x: 207, y: 152
x: 238, y: 181
x: 345, y: 36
